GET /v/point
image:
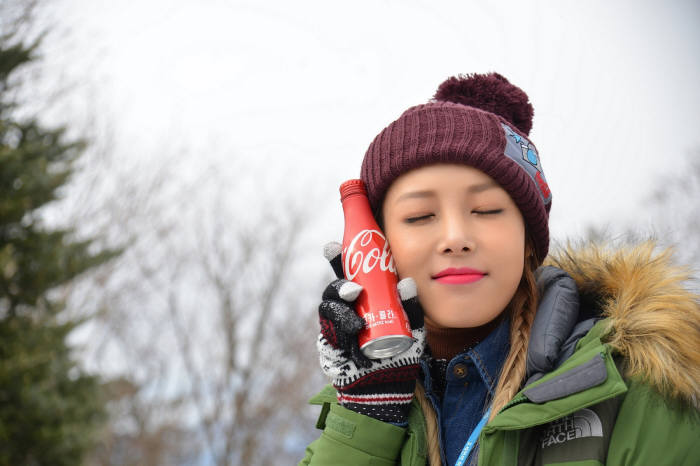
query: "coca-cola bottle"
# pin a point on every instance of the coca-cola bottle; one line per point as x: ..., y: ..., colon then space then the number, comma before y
x: 367, y: 260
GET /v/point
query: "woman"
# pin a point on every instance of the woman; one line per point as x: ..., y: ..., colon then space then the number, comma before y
x: 591, y: 359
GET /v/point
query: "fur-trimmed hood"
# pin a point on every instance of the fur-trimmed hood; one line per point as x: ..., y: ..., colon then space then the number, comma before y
x: 653, y: 318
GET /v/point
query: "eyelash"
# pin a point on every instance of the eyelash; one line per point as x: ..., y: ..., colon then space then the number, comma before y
x: 478, y: 212
x: 418, y: 219
x: 488, y: 212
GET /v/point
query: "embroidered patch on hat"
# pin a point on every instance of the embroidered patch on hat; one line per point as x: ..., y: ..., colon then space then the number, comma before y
x: 524, y: 153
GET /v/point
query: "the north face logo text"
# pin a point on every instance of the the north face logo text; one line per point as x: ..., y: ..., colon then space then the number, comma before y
x: 583, y: 423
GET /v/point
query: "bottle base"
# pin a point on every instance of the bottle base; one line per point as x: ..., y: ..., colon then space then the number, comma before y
x: 386, y: 347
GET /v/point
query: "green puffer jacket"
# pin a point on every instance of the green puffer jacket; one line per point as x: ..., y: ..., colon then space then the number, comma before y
x: 626, y: 396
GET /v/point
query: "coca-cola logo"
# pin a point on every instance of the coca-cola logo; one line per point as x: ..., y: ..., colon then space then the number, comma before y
x: 359, y: 258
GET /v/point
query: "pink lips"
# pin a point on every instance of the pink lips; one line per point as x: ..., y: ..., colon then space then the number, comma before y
x: 459, y: 276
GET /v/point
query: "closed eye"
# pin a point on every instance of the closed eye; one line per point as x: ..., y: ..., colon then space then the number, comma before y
x: 487, y: 212
x: 418, y: 219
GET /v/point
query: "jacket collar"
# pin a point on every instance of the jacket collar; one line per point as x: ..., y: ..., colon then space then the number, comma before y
x: 651, y: 317
x: 588, y: 377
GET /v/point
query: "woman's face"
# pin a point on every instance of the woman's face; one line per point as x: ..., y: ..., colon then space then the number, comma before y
x: 461, y: 237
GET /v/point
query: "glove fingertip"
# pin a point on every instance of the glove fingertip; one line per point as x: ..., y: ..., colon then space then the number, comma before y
x: 408, y: 292
x: 407, y: 289
x: 349, y: 291
x: 333, y: 253
x: 331, y: 250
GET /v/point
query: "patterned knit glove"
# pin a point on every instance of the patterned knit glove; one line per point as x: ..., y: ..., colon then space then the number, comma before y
x: 380, y: 388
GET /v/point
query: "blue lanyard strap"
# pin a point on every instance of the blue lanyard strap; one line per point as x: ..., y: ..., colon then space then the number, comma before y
x: 472, y: 439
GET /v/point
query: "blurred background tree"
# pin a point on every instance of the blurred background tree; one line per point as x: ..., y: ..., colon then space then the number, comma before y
x: 50, y: 409
x: 674, y: 207
x: 204, y: 328
x: 669, y: 216
x: 200, y: 327
x: 203, y: 323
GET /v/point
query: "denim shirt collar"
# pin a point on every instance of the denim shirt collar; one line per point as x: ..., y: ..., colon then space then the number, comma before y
x: 490, y: 354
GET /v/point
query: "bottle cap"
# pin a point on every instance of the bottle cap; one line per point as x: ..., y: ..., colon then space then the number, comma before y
x: 352, y: 187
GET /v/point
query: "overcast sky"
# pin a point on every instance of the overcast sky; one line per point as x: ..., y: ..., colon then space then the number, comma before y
x: 299, y: 89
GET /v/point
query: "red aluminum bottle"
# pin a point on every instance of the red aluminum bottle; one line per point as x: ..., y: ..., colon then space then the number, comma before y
x: 367, y: 261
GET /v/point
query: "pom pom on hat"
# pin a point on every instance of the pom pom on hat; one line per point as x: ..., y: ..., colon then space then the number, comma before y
x: 491, y: 92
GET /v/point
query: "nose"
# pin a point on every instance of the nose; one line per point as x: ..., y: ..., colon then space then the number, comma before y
x: 455, y: 235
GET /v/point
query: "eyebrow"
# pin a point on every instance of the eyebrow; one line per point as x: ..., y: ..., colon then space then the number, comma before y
x: 473, y: 189
x: 478, y: 188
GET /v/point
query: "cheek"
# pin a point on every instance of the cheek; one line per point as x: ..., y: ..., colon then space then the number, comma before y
x: 511, y: 255
x: 407, y: 251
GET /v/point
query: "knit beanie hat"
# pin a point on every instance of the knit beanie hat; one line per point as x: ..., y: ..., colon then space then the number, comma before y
x: 479, y: 120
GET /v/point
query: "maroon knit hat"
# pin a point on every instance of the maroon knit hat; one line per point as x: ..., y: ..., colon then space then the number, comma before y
x: 478, y: 120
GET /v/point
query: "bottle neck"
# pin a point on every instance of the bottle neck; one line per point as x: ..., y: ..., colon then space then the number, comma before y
x: 356, y: 209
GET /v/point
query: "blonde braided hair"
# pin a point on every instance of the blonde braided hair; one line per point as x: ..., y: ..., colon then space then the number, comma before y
x: 431, y: 427
x: 522, y: 308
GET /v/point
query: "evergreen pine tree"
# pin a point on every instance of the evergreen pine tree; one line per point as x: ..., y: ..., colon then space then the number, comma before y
x: 50, y: 410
